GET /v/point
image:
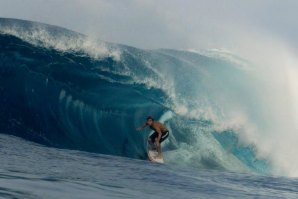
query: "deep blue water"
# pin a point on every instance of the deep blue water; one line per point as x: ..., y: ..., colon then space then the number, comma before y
x: 76, y: 103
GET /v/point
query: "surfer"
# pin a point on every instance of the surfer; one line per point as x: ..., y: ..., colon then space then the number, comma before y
x: 160, y: 133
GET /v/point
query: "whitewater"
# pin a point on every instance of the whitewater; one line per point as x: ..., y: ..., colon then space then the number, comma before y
x: 70, y: 105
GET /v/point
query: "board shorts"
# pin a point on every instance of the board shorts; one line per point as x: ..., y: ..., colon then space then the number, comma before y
x: 164, y: 135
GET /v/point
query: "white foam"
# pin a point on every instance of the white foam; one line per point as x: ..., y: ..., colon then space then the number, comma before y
x: 274, y: 130
x: 166, y: 116
x: 39, y: 36
x: 205, y: 153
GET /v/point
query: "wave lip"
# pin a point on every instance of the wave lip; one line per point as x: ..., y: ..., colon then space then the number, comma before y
x: 60, y: 39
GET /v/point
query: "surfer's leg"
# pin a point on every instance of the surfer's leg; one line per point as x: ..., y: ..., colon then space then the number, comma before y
x: 164, y: 136
x: 153, y: 137
x: 158, y: 148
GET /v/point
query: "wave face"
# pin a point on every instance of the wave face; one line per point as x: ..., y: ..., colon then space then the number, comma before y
x: 63, y: 89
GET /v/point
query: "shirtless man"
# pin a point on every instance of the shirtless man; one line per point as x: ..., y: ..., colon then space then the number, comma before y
x: 160, y: 133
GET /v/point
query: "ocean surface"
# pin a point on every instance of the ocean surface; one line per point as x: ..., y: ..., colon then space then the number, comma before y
x: 29, y: 170
x: 70, y: 106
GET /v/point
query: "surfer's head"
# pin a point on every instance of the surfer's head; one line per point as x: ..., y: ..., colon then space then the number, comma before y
x: 149, y: 120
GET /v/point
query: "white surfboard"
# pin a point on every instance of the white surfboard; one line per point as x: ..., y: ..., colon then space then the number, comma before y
x: 152, y: 154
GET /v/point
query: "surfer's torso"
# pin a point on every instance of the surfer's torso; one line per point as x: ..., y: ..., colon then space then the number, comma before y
x: 157, y: 125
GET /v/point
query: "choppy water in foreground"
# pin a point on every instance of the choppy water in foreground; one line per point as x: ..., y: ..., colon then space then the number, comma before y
x: 28, y: 170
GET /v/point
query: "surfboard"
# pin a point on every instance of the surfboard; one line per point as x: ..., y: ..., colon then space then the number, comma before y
x: 152, y: 153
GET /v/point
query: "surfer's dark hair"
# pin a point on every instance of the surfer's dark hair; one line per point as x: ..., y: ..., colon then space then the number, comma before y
x: 150, y: 118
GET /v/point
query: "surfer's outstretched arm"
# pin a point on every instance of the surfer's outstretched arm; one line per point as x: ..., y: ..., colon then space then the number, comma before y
x: 142, y: 127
